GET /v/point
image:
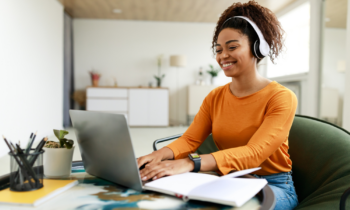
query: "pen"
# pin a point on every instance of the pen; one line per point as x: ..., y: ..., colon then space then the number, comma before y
x: 29, y: 140
x: 26, y: 165
x: 13, y: 147
x: 7, y: 144
x: 41, y: 145
x: 37, y: 149
x: 31, y: 143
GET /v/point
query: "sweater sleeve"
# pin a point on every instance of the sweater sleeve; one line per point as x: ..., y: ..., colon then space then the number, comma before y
x: 197, y: 132
x: 273, y: 131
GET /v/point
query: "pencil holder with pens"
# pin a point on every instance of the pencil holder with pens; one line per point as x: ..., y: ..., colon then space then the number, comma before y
x: 26, y: 170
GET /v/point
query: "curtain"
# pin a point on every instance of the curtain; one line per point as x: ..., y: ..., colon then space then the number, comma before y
x: 68, y: 76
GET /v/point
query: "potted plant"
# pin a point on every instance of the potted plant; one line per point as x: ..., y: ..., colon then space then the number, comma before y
x: 160, y: 76
x: 58, y: 156
x: 213, y: 73
x: 95, y: 78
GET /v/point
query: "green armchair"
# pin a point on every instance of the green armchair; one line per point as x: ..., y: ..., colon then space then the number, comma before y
x: 320, y: 152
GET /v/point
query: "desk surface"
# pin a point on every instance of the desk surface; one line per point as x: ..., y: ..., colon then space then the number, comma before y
x: 96, y: 193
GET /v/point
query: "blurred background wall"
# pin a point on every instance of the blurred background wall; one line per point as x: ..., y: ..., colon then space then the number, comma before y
x: 127, y: 51
x: 31, y: 66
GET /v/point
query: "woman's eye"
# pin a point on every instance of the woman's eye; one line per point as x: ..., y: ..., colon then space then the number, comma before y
x: 232, y: 48
x: 218, y: 51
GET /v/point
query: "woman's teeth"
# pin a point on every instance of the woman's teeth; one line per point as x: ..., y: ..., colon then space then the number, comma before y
x: 227, y: 64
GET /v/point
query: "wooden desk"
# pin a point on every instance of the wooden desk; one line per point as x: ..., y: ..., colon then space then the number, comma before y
x: 96, y: 193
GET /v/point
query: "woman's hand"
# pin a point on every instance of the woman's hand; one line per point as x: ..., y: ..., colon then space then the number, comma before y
x: 156, y: 157
x: 157, y: 170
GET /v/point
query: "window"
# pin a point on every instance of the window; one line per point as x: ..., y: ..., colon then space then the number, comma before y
x: 295, y: 57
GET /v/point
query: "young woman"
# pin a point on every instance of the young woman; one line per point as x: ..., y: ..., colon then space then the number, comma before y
x: 249, y: 118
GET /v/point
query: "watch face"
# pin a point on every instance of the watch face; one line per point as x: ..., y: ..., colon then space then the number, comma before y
x: 195, y: 155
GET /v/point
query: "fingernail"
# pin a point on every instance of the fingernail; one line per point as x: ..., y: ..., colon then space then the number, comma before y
x: 154, y: 178
x: 144, y: 178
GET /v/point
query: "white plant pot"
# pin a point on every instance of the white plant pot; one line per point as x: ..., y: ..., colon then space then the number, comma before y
x: 213, y: 80
x: 57, y: 162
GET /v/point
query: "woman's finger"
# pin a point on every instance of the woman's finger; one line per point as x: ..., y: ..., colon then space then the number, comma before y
x: 150, y: 170
x: 143, y: 160
x: 152, y: 174
x: 151, y: 158
x: 161, y: 174
x: 146, y: 169
x: 140, y: 161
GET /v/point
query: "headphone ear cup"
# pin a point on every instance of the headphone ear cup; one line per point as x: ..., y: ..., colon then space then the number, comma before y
x: 256, y: 49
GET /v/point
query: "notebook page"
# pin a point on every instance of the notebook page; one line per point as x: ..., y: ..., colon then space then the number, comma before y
x: 234, y: 192
x: 241, y: 173
x: 180, y: 183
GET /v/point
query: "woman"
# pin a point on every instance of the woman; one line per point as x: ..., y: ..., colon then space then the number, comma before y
x: 249, y: 118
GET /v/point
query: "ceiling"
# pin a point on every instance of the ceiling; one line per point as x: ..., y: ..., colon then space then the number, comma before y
x: 183, y: 10
x: 158, y: 10
x: 335, y: 13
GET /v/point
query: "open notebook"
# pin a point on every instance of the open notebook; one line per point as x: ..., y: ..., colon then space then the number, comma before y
x: 226, y: 190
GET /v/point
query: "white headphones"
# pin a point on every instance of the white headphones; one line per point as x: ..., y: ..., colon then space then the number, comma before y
x: 261, y: 48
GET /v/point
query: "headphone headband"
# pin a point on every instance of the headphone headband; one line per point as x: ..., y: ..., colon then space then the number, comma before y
x: 264, y: 47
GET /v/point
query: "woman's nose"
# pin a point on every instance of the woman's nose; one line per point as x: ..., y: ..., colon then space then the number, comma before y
x: 224, y: 55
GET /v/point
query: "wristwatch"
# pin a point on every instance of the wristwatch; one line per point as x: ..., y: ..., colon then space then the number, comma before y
x: 197, y: 161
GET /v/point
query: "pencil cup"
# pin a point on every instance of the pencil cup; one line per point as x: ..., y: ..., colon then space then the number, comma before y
x: 26, y: 171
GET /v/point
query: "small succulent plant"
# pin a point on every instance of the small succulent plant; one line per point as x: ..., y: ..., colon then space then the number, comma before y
x: 63, y: 142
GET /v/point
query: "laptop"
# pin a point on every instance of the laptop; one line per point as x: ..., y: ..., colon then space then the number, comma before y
x: 106, y: 148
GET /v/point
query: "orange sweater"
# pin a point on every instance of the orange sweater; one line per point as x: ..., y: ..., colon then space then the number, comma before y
x: 250, y: 131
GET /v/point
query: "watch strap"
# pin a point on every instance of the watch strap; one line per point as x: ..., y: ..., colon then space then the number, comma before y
x: 197, y: 165
x: 196, y: 161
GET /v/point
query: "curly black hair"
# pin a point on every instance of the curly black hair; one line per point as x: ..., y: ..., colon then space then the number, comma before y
x: 265, y: 19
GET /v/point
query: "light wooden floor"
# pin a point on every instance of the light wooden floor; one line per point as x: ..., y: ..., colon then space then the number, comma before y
x: 142, y: 139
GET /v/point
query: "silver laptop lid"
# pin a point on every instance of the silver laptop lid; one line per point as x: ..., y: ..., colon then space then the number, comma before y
x: 106, y: 148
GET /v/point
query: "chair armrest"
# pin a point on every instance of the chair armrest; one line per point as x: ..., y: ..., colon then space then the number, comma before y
x: 165, y: 139
x: 343, y: 199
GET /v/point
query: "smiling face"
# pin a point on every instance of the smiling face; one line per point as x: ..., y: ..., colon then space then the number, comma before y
x: 233, y: 53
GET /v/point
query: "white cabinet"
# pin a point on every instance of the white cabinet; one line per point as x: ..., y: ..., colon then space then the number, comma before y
x: 138, y: 107
x: 149, y: 107
x: 107, y: 93
x: 158, y: 107
x: 141, y: 106
x: 108, y: 105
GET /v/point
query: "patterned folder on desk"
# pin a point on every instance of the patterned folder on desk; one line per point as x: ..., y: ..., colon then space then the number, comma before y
x: 33, y: 198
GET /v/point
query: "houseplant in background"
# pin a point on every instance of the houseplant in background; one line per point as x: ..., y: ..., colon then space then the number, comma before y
x: 200, y: 78
x: 95, y: 78
x: 160, y: 76
x: 213, y: 73
x: 58, y: 156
